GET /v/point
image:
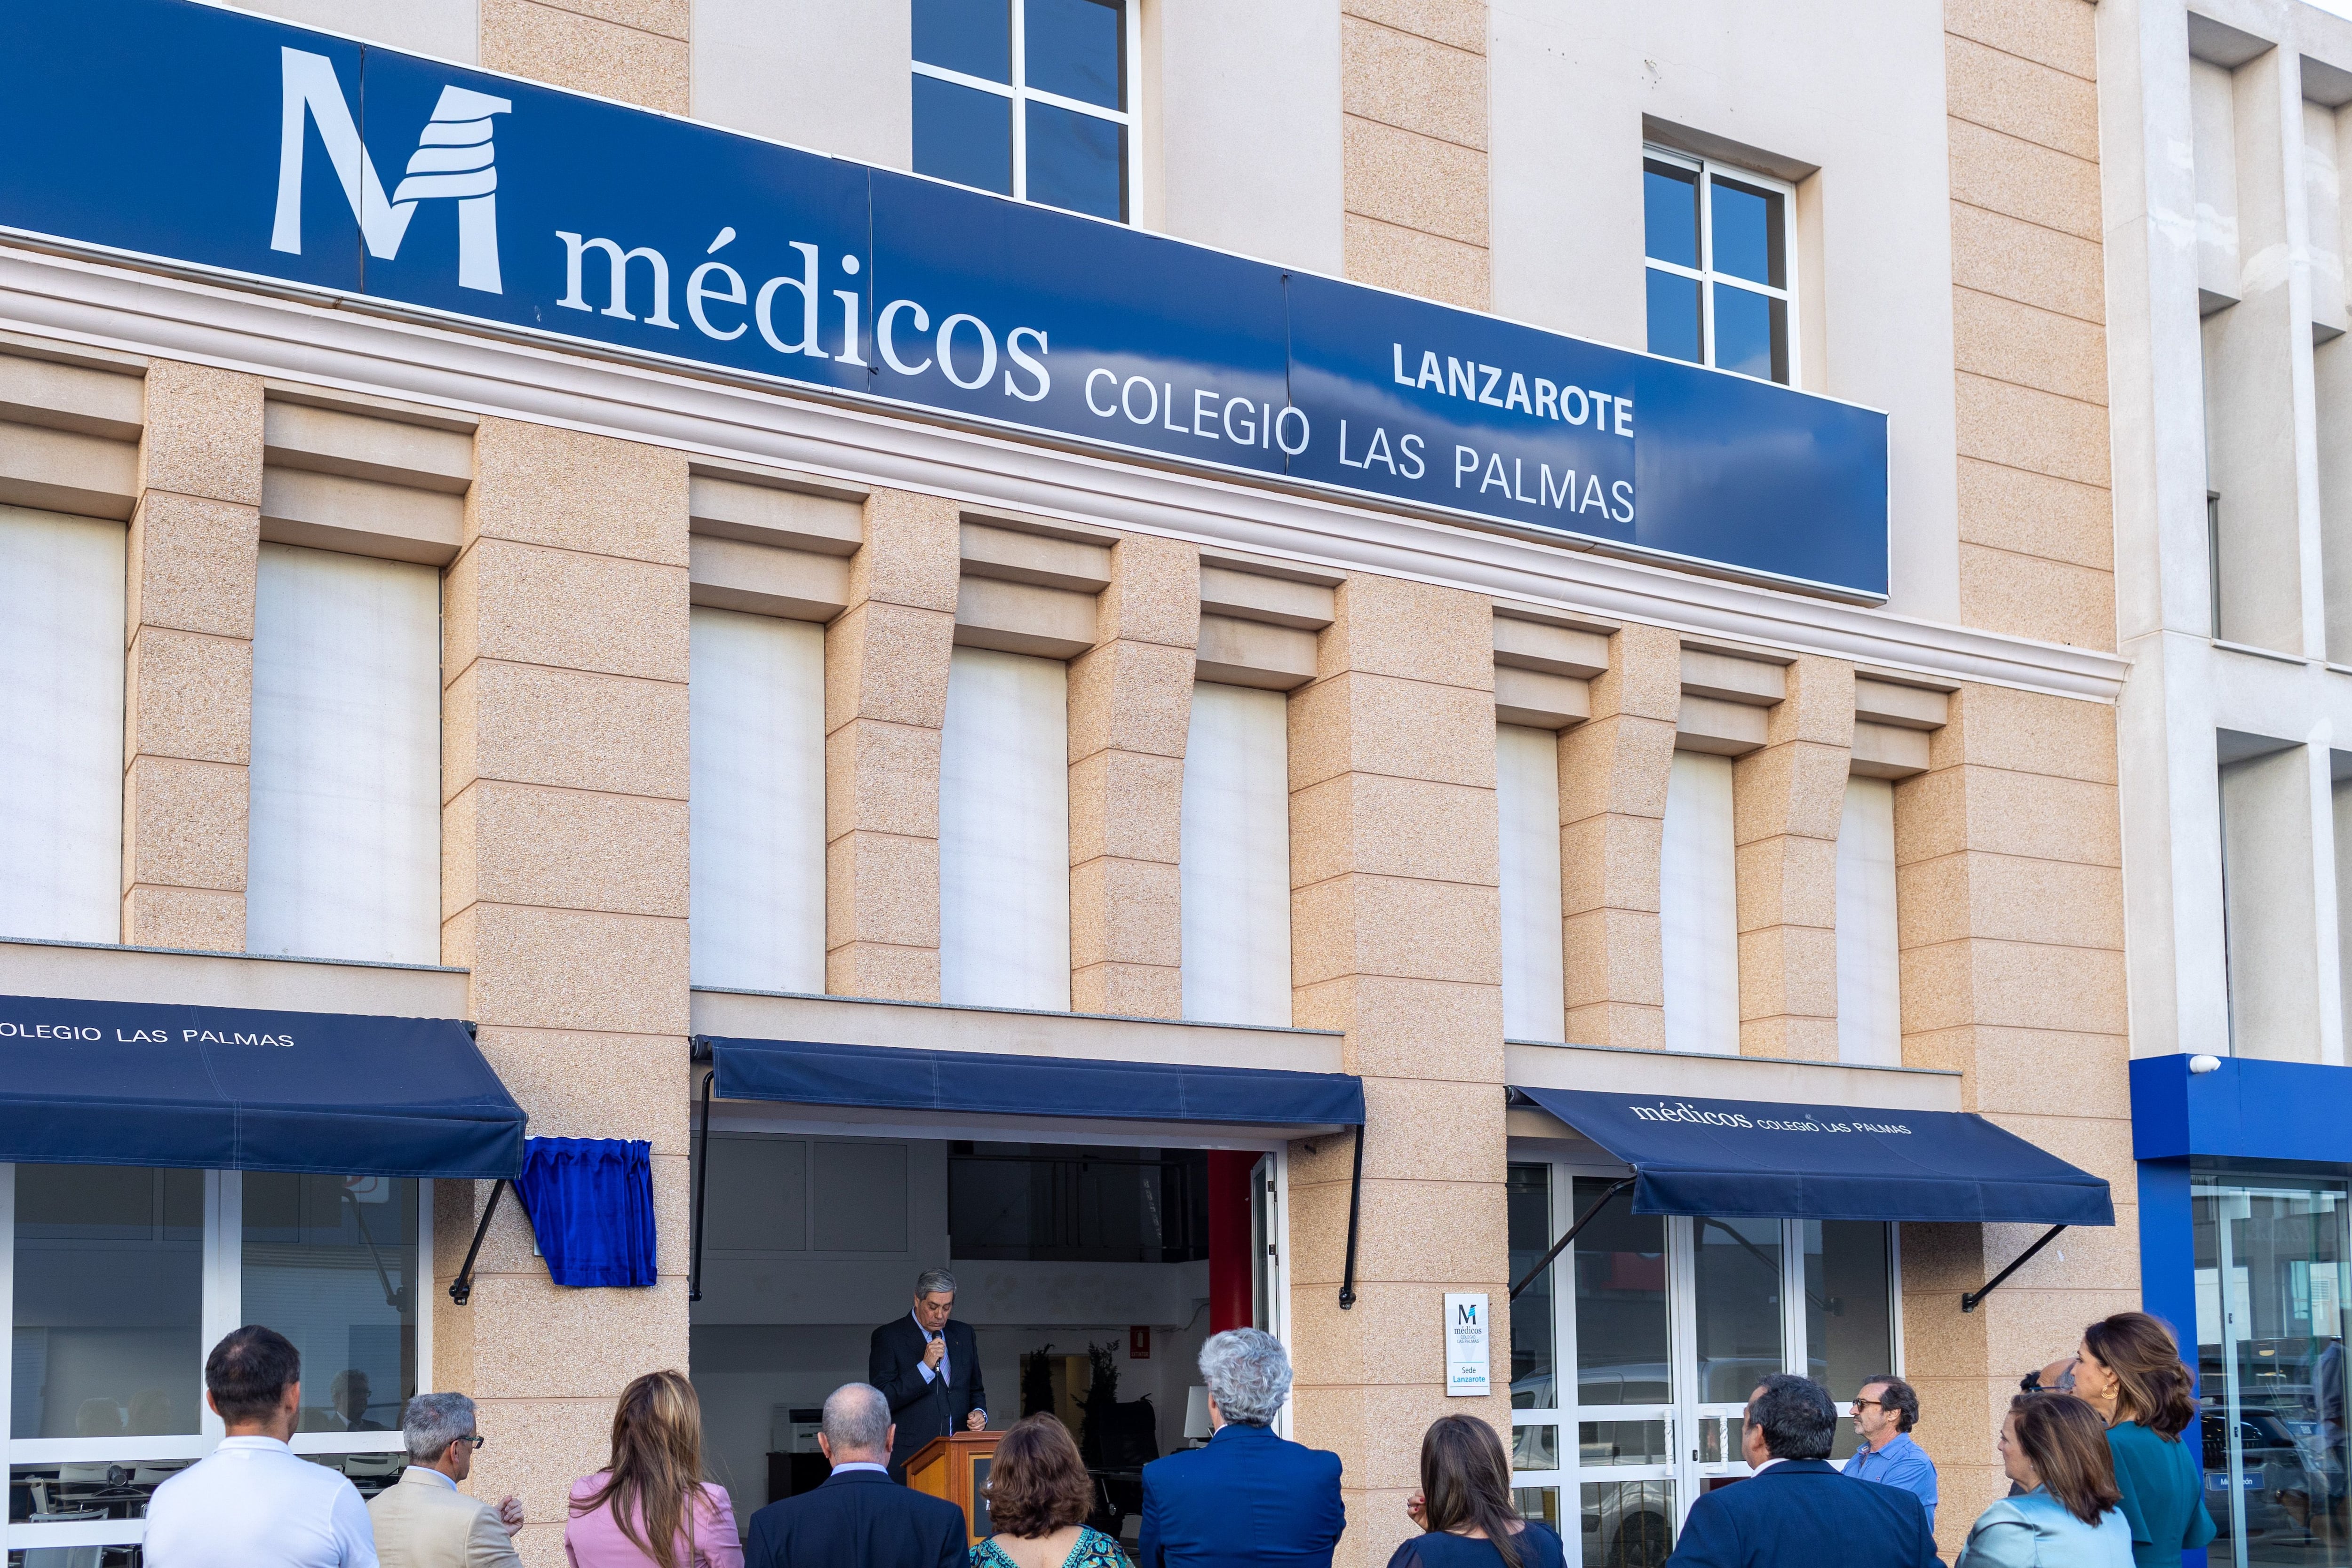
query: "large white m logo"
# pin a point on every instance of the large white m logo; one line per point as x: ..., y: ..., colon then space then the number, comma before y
x: 452, y: 158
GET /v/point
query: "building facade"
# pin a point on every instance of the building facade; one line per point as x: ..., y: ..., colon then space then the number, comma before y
x: 406, y: 663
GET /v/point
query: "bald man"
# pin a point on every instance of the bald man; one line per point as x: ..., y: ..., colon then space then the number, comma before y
x: 860, y: 1516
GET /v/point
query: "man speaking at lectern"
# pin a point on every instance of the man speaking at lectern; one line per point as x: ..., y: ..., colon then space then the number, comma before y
x: 927, y: 1366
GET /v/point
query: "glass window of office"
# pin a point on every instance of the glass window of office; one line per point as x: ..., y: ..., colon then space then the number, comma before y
x: 1633, y: 1355
x: 2272, y: 1282
x: 120, y: 1280
x: 1030, y: 99
x: 1721, y: 266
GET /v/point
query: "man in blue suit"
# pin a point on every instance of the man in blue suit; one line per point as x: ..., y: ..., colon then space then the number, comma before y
x: 860, y: 1518
x: 1249, y: 1497
x: 1797, y: 1510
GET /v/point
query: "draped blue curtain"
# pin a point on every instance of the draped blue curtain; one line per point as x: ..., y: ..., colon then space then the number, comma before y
x: 590, y: 1204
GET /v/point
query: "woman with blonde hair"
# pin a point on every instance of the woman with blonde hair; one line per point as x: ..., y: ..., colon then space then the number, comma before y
x: 650, y: 1508
x: 2130, y: 1371
x: 1039, y: 1496
x: 2065, y: 1513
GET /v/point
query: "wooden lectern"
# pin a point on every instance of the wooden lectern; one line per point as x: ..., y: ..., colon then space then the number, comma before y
x: 956, y: 1468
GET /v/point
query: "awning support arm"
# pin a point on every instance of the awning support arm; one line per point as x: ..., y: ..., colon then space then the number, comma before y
x: 701, y: 1190
x: 461, y: 1289
x: 1355, y: 1208
x: 1969, y: 1301
x: 1561, y: 1245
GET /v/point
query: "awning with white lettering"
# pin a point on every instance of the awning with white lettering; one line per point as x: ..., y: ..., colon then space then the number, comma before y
x: 1766, y: 1159
x: 229, y: 1089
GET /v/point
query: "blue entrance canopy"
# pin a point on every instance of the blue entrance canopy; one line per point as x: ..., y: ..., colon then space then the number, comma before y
x: 1764, y: 1160
x: 231, y: 1089
x: 892, y: 1078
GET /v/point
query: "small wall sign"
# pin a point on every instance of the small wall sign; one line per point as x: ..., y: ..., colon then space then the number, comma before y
x: 1467, y: 1370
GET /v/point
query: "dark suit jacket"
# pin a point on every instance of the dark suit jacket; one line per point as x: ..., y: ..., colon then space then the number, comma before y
x: 1801, y: 1513
x: 1248, y: 1497
x: 894, y: 1363
x: 861, y: 1519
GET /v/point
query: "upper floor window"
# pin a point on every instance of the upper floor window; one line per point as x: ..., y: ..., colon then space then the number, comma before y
x: 1719, y: 268
x: 1027, y: 99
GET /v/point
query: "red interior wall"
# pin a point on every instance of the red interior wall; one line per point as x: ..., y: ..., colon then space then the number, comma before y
x: 1229, y: 1238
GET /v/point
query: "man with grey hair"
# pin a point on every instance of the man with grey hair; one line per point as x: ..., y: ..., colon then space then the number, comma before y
x: 1248, y: 1497
x: 928, y: 1367
x: 859, y: 1519
x: 426, y: 1521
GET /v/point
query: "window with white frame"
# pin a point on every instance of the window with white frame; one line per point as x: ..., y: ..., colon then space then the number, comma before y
x: 1030, y: 99
x: 120, y: 1279
x: 1721, y: 266
x: 1234, y: 859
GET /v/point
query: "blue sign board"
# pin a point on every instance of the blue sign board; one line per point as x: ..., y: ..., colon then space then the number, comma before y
x: 212, y: 138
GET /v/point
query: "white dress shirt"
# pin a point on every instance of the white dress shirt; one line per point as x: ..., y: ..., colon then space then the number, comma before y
x: 253, y: 1504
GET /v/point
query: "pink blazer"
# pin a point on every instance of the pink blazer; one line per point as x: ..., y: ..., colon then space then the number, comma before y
x: 593, y: 1539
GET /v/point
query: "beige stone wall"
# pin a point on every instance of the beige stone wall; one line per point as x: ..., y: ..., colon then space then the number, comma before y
x: 1395, y: 939
x: 564, y: 892
x: 1413, y: 96
x: 2036, y: 544
x: 188, y: 683
x: 1786, y: 803
x: 634, y: 50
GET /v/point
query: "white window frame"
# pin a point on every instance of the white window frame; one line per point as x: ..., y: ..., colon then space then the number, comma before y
x: 1568, y: 1479
x: 1022, y: 95
x: 223, y: 1289
x: 1704, y: 274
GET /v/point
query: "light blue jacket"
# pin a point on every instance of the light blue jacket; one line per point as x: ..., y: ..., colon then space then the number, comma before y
x: 2036, y: 1531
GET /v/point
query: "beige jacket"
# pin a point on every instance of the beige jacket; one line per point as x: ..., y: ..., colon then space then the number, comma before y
x: 426, y: 1522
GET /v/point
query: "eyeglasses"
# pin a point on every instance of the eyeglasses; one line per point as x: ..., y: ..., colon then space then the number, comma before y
x: 1860, y: 1403
x: 474, y: 1441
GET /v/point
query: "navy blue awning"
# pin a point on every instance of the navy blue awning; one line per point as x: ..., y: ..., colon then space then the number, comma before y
x: 1764, y: 1160
x: 979, y: 1083
x: 230, y: 1088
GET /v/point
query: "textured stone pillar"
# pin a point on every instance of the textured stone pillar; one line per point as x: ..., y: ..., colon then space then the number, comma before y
x: 1131, y: 704
x: 1612, y: 811
x: 885, y: 702
x: 564, y: 892
x: 2010, y: 906
x: 1413, y: 96
x: 634, y: 50
x: 1396, y: 940
x: 188, y: 682
x: 1786, y: 803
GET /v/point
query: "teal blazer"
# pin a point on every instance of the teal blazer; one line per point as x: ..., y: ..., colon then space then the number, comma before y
x: 2036, y: 1531
x: 2163, y: 1485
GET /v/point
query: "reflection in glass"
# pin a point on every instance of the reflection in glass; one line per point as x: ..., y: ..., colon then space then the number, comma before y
x: 1676, y: 329
x: 1737, y: 1294
x: 1627, y: 1524
x: 1670, y: 214
x: 1621, y: 1443
x: 1074, y: 49
x: 109, y: 1301
x: 2272, y: 1282
x: 331, y: 1262
x: 1849, y: 1311
x: 974, y: 37
x: 1541, y: 1504
x: 1621, y: 1303
x: 1751, y: 333
x: 1076, y: 161
x: 1745, y: 234
x: 1533, y: 1381
x: 1535, y: 1448
x: 964, y: 134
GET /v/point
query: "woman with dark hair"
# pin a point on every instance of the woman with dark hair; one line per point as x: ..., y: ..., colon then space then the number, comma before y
x: 1038, y: 1498
x: 2064, y: 1515
x: 1465, y: 1507
x: 2130, y: 1371
x: 650, y: 1506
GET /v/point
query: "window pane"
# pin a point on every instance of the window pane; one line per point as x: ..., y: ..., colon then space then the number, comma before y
x: 1074, y: 50
x: 974, y: 37
x: 1751, y: 333
x: 1673, y: 316
x: 1849, y: 1328
x: 330, y: 1263
x: 1627, y: 1524
x: 1077, y: 162
x: 1738, y: 1296
x: 1746, y: 235
x: 1621, y: 1303
x: 109, y: 1301
x: 1541, y: 1504
x: 964, y: 134
x: 1533, y: 1380
x: 1535, y: 1448
x: 1670, y: 214
x: 1600, y: 1443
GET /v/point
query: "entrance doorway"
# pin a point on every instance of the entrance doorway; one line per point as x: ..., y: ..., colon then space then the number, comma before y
x: 1632, y: 1355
